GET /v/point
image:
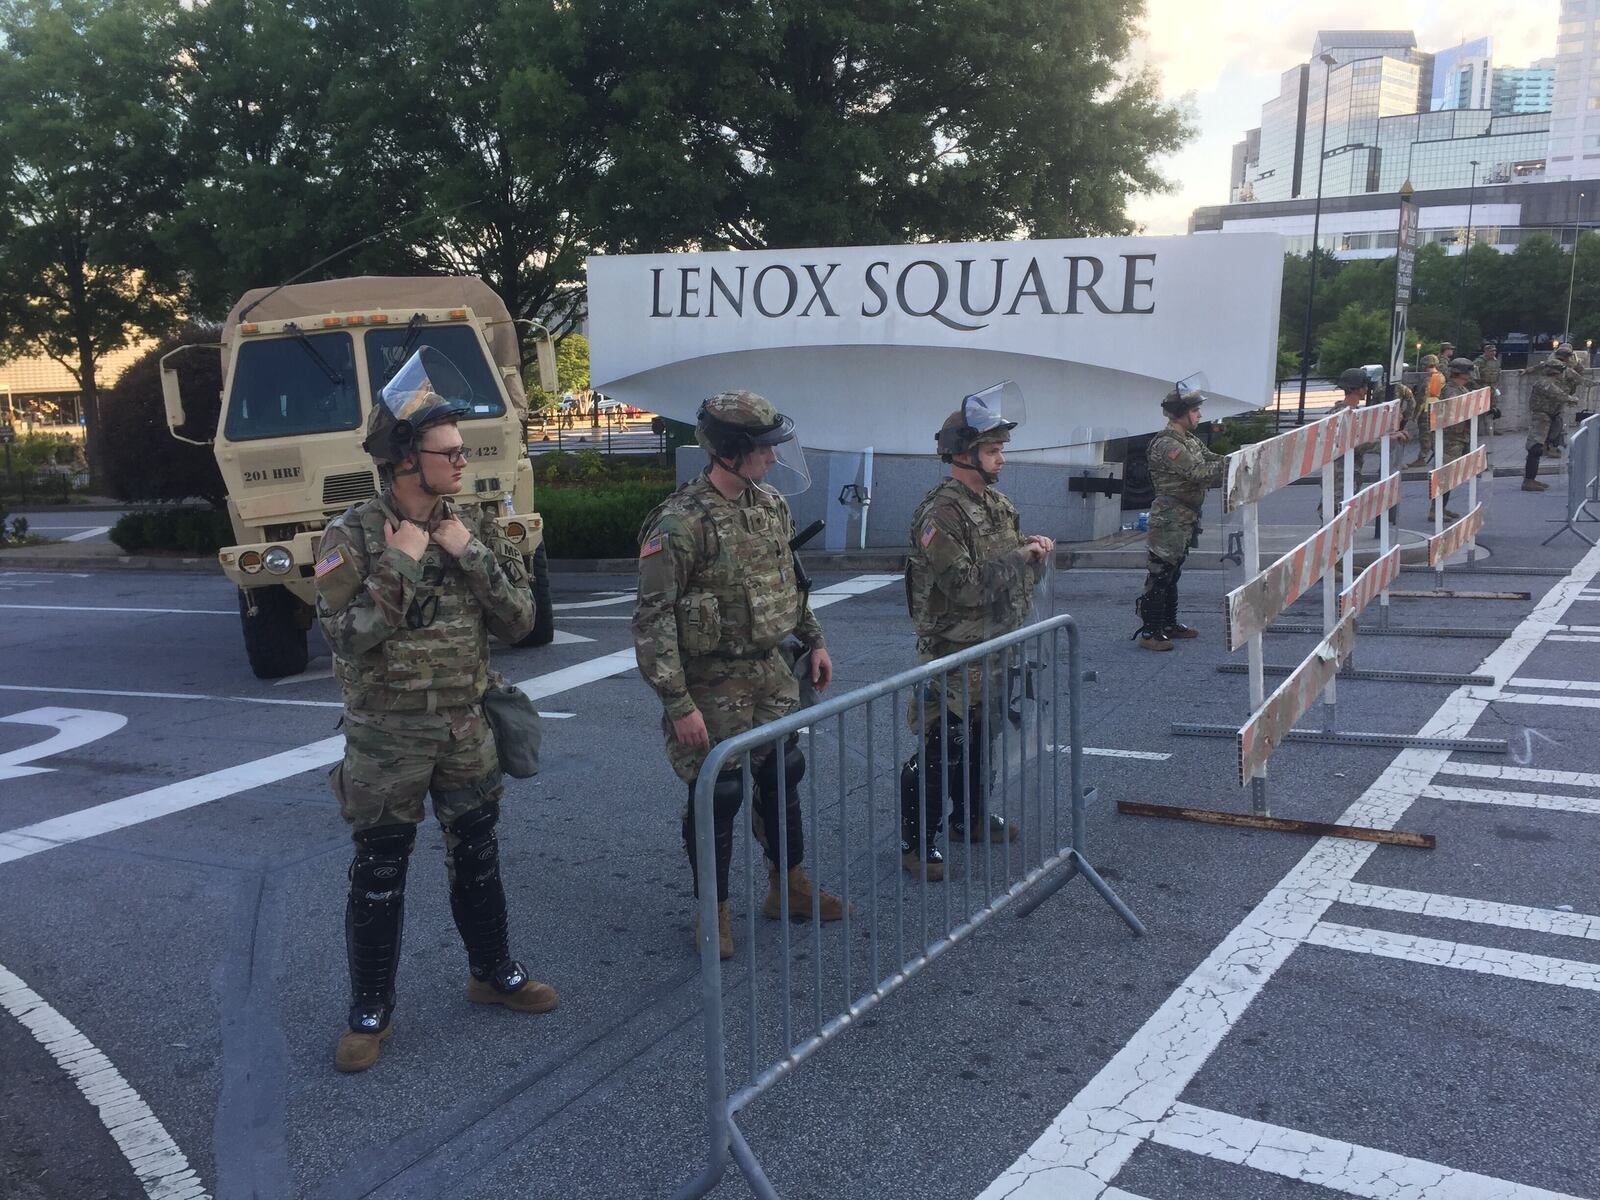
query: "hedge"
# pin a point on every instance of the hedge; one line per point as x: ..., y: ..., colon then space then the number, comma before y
x: 600, y: 522
x: 195, y: 531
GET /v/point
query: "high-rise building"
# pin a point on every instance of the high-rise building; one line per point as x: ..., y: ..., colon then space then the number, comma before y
x: 1523, y: 89
x: 1282, y: 138
x: 1462, y: 76
x: 1575, y: 115
x: 1246, y: 156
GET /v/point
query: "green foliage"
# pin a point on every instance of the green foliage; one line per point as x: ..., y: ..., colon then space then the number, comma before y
x: 1358, y: 337
x: 143, y: 461
x: 1245, y: 430
x: 193, y: 531
x: 563, y: 468
x: 597, y: 522
x: 34, y: 450
x: 572, y: 372
x: 87, y: 174
x: 1288, y: 357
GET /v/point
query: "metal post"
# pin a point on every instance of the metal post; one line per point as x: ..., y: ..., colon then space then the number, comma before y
x: 1438, y: 503
x: 1316, y: 230
x: 1258, y: 669
x: 1572, y: 274
x: 1330, y: 601
x: 1383, y: 531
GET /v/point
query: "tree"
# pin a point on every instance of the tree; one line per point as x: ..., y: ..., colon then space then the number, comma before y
x: 86, y: 126
x: 143, y: 460
x: 1358, y: 337
x: 572, y: 371
x: 847, y: 122
x: 1292, y: 298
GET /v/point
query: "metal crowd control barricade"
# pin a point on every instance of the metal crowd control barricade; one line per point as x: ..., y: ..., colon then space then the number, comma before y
x: 1583, y: 480
x: 1251, y: 609
x: 1021, y: 680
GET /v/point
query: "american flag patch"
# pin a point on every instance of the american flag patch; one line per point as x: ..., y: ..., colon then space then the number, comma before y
x: 652, y: 546
x: 928, y: 531
x: 331, y: 561
x: 1174, y: 452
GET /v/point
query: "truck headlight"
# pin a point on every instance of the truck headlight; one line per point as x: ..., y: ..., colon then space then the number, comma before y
x: 516, y: 531
x: 277, y: 560
x: 250, y: 562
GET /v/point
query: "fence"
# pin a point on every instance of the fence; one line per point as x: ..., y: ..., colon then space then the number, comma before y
x: 611, y: 436
x: 1022, y: 678
x: 1254, y: 473
x: 1583, y: 479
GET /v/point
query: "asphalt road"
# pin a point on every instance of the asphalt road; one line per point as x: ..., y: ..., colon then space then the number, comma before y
x: 1302, y: 1018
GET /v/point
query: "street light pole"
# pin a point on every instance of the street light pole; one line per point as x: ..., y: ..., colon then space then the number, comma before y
x: 1461, y: 288
x: 1328, y: 63
x: 1572, y: 275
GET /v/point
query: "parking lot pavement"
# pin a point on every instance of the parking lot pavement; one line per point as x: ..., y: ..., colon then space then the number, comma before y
x: 1364, y: 1019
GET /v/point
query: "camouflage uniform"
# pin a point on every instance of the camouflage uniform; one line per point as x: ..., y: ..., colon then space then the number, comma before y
x: 717, y: 598
x: 1182, y: 468
x: 1486, y: 372
x: 1547, y: 396
x: 1408, y: 412
x: 1458, y: 437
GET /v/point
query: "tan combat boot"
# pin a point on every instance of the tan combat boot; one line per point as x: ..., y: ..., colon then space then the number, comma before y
x: 800, y: 889
x: 724, y: 929
x: 1154, y: 639
x: 513, y: 988
x: 358, y: 1051
x: 1535, y: 485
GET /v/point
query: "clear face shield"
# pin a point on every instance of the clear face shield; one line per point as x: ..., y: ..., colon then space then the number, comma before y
x: 1196, y: 387
x: 425, y: 383
x: 993, y: 407
x: 777, y: 464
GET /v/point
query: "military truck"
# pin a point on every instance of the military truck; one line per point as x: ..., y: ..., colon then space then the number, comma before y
x: 300, y: 366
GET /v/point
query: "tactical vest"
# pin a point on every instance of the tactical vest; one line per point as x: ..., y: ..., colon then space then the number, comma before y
x: 989, y: 533
x: 441, y: 658
x: 1170, y: 484
x: 1547, y: 394
x: 742, y: 600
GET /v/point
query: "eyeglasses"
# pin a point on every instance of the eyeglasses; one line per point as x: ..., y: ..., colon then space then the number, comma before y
x: 456, y: 457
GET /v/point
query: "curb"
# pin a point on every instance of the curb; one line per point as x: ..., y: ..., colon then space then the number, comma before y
x: 83, y: 508
x: 113, y: 562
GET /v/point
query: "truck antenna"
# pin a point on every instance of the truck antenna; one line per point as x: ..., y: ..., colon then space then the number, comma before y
x: 384, y: 232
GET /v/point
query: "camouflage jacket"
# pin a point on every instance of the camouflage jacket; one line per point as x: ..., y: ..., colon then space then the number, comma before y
x: 1461, y: 433
x: 1182, y: 467
x: 1572, y: 379
x: 1547, y: 393
x: 412, y: 636
x: 716, y: 581
x: 967, y: 576
x: 1408, y: 413
x: 1486, y: 371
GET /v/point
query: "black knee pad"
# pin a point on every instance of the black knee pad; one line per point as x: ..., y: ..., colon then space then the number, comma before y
x: 794, y: 766
x: 727, y: 796
x: 378, y: 870
x: 477, y: 850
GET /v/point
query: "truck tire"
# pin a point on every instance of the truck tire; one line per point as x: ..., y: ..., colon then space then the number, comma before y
x: 544, y: 616
x: 275, y: 638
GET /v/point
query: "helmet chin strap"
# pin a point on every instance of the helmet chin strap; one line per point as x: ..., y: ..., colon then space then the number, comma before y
x: 749, y: 483
x: 990, y: 478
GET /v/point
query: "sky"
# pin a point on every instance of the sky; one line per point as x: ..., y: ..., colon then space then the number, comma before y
x: 1221, y: 59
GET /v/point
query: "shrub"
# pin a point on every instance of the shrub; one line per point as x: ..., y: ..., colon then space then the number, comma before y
x: 193, y: 531
x: 599, y: 522
x: 143, y: 461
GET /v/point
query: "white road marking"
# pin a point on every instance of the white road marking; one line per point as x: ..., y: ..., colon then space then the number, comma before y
x: 1327, y: 1162
x: 1091, y: 1140
x: 15, y: 687
x: 1556, y: 701
x: 138, y: 1132
x: 1589, y: 806
x: 1575, y: 629
x: 73, y: 727
x: 96, y: 531
x: 1460, y: 956
x: 320, y: 667
x: 581, y: 618
x: 176, y: 797
x: 1572, y: 637
x: 1521, y: 774
x: 570, y: 605
x: 44, y: 575
x: 1465, y: 908
x: 565, y: 637
x: 188, y: 612
x: 1107, y: 752
x: 1558, y: 685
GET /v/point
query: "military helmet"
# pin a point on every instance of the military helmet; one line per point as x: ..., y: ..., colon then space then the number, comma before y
x: 1462, y: 366
x: 1564, y: 350
x: 428, y: 389
x: 1553, y: 366
x: 732, y: 424
x: 1352, y: 378
x: 1490, y: 346
x: 1430, y: 360
x: 985, y: 416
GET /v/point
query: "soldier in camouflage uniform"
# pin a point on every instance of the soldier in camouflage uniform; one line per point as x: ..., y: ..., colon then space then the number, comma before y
x: 1458, y: 437
x: 717, y: 597
x: 1432, y: 387
x: 409, y: 586
x: 970, y: 576
x: 1547, y: 395
x: 1356, y: 385
x: 1486, y: 369
x: 1571, y: 382
x: 1181, y: 469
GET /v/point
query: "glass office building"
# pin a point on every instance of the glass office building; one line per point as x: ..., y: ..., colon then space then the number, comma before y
x: 1461, y: 76
x: 1437, y: 149
x: 1523, y: 90
x: 1575, y: 114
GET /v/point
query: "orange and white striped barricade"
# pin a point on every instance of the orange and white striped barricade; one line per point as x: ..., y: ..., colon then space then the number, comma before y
x: 1447, y: 476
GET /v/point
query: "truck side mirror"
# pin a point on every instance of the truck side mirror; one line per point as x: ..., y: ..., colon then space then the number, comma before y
x: 172, y: 395
x: 545, y: 352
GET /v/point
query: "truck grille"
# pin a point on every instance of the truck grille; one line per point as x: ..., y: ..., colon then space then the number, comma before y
x: 347, y: 489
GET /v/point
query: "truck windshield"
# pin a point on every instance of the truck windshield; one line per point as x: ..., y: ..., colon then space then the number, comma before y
x: 387, y: 349
x: 284, y: 387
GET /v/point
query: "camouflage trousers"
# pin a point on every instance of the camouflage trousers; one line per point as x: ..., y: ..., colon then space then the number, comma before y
x: 960, y: 692
x: 733, y: 695
x: 392, y: 761
x: 1172, y: 529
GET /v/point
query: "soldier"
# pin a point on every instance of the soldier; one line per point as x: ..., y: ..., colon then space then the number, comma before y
x: 1356, y: 386
x: 970, y: 576
x: 1458, y: 437
x: 1181, y: 469
x: 1571, y: 381
x: 1432, y: 387
x: 1547, y: 395
x: 717, y: 597
x: 409, y: 586
x: 1486, y: 369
